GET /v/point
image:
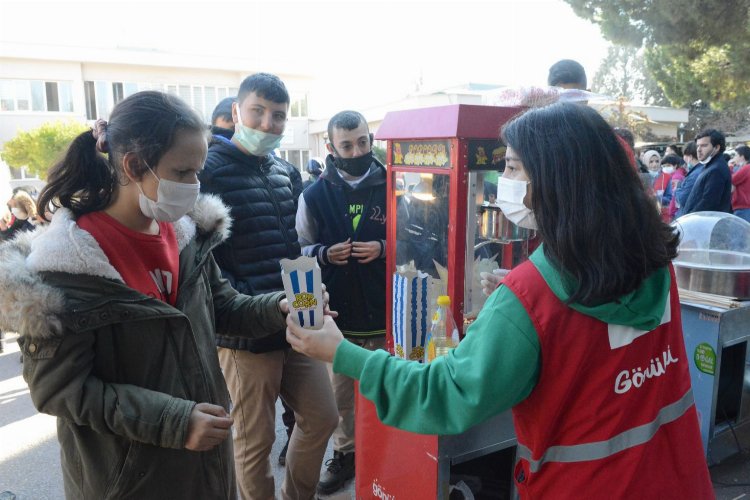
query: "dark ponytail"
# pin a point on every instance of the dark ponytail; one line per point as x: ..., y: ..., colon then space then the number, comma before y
x: 143, y: 124
x: 84, y: 181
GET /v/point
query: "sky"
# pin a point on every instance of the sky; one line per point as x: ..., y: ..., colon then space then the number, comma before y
x: 359, y: 52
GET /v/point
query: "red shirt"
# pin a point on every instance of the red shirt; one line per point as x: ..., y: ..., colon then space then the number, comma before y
x: 147, y: 263
x: 741, y: 182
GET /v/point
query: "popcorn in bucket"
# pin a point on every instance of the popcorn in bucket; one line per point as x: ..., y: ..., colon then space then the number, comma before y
x: 304, y: 291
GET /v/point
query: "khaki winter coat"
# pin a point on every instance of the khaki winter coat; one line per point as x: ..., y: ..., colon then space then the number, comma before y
x: 123, y: 371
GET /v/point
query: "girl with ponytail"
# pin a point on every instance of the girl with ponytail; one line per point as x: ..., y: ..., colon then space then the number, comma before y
x: 118, y: 301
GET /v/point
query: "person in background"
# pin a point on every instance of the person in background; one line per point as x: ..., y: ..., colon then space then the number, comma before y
x: 567, y: 74
x: 661, y: 181
x: 694, y: 168
x: 223, y: 126
x: 256, y: 186
x: 712, y: 190
x: 341, y: 222
x: 118, y: 301
x: 673, y: 149
x: 221, y: 118
x: 674, y: 183
x: 629, y: 142
x: 566, y: 339
x: 23, y: 215
x: 671, y: 165
x: 652, y: 160
x: 741, y: 183
x: 314, y: 169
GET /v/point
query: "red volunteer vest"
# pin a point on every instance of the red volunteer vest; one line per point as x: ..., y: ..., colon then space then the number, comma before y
x: 612, y: 414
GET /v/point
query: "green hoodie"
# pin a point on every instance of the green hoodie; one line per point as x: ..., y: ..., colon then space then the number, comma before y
x: 493, y: 368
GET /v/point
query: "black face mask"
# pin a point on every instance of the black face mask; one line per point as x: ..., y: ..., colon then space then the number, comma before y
x: 356, y: 167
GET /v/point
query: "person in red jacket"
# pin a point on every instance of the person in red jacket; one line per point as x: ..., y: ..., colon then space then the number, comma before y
x: 741, y: 183
x: 583, y: 341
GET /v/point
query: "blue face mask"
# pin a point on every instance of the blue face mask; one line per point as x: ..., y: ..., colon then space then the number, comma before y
x: 256, y: 142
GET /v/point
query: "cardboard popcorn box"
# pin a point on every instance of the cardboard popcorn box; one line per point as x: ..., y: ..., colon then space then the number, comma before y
x: 414, y: 302
x: 304, y: 291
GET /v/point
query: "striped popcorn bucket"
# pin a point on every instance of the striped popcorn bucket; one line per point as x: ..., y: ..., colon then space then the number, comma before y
x: 304, y: 291
x: 414, y: 299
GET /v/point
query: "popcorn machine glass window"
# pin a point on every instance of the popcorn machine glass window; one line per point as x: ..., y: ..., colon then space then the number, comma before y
x: 492, y: 241
x: 422, y: 222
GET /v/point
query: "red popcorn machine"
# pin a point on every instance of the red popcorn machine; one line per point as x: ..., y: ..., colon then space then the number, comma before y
x: 443, y: 229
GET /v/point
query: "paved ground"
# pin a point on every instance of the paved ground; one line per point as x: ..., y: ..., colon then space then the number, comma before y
x: 30, y: 464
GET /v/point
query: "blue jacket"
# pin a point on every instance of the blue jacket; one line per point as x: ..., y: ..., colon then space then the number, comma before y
x: 334, y: 211
x: 683, y: 192
x: 260, y: 197
x: 712, y: 190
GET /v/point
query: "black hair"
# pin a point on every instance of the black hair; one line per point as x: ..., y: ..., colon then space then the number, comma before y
x: 345, y: 120
x: 144, y: 124
x: 567, y: 71
x: 264, y: 85
x: 223, y: 110
x: 690, y: 150
x: 627, y: 136
x: 676, y: 148
x: 717, y: 138
x: 672, y: 160
x: 743, y: 151
x: 598, y: 223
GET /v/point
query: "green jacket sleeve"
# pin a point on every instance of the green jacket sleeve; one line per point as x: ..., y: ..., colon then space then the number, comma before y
x: 59, y: 374
x: 243, y: 315
x: 493, y: 368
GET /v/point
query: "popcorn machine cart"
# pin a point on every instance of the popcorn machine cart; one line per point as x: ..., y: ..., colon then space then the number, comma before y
x: 443, y: 228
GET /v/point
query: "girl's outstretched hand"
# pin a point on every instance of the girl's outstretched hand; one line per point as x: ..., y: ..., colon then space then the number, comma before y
x: 319, y: 344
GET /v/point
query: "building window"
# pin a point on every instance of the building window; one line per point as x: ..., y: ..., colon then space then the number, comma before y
x: 35, y: 95
x: 90, y: 97
x: 118, y: 93
x: 53, y: 100
x: 23, y: 96
x: 298, y: 108
x: 7, y: 96
x: 198, y: 101
x: 297, y: 157
x: 130, y: 88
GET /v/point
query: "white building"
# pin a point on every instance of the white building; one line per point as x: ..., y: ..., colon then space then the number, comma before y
x: 470, y: 93
x: 661, y: 120
x: 42, y: 83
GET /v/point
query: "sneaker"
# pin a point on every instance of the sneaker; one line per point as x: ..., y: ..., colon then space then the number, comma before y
x: 339, y: 470
x: 282, y: 455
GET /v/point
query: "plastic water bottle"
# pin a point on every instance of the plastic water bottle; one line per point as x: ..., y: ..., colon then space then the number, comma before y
x: 443, y: 334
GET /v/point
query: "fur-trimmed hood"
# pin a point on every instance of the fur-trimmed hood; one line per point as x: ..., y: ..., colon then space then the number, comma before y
x: 27, y: 304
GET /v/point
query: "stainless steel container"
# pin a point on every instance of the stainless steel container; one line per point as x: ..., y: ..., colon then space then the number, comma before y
x: 719, y: 272
x: 494, y: 226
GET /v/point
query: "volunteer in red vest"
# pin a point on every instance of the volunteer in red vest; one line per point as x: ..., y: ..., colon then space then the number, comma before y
x: 583, y: 341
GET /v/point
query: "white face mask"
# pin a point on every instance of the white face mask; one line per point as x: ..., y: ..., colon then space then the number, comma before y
x: 18, y: 213
x: 173, y: 200
x: 510, y: 195
x: 667, y: 170
x: 256, y: 142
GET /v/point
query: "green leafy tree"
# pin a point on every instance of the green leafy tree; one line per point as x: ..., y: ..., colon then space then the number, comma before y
x: 379, y: 153
x: 623, y: 74
x: 695, y: 49
x: 38, y: 149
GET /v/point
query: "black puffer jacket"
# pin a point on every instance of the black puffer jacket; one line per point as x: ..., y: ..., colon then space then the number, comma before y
x: 260, y: 197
